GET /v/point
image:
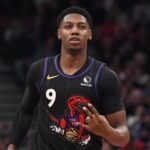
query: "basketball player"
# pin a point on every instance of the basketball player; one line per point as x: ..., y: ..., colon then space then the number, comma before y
x: 77, y: 98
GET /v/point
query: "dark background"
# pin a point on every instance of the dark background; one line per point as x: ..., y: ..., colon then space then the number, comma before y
x: 121, y: 38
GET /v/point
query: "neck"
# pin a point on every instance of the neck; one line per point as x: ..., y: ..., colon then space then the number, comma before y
x: 72, y: 62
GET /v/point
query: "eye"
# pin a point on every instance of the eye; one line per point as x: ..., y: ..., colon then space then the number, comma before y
x: 82, y: 27
x: 67, y: 26
x: 78, y: 98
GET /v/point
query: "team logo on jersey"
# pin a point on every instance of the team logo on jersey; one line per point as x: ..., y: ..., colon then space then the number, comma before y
x: 51, y: 77
x: 86, y: 81
x: 66, y: 126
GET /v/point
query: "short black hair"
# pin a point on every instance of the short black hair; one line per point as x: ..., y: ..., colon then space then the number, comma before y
x: 75, y: 9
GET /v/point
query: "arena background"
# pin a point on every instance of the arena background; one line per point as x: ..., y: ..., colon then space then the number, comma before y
x: 121, y: 39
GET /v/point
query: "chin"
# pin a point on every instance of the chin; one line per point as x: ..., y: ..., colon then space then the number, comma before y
x: 75, y: 48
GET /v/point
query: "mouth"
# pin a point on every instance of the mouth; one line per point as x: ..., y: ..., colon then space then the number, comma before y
x: 80, y: 106
x: 74, y: 40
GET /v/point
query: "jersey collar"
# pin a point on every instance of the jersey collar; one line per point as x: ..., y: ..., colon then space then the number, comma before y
x: 79, y: 73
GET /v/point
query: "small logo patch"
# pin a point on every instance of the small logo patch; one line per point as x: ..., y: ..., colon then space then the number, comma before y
x: 51, y: 77
x: 86, y: 81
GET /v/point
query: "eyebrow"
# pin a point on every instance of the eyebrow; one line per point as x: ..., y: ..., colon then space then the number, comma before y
x: 71, y: 22
x: 77, y: 22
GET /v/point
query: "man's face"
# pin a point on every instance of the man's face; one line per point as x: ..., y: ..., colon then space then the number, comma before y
x: 74, y: 32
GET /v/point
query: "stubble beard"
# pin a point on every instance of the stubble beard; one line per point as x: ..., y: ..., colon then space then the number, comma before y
x: 75, y: 50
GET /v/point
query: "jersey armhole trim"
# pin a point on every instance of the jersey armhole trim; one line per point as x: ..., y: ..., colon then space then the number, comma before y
x: 97, y: 77
x: 44, y: 71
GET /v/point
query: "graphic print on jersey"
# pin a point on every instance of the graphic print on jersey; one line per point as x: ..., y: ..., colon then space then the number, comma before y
x: 66, y: 126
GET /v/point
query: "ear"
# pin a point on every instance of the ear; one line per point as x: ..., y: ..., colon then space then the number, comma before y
x: 58, y: 34
x: 90, y: 34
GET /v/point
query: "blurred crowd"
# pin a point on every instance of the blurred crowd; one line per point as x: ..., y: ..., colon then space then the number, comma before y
x: 121, y: 38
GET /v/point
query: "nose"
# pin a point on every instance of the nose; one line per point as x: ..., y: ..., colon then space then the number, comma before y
x: 75, y: 30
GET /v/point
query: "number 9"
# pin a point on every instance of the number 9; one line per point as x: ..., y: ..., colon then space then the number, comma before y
x: 51, y: 95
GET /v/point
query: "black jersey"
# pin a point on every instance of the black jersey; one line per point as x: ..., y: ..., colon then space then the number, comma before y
x: 61, y: 98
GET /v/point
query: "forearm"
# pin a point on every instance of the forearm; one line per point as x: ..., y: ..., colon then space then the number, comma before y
x: 118, y: 136
x: 11, y: 147
x: 20, y: 125
x: 111, y: 127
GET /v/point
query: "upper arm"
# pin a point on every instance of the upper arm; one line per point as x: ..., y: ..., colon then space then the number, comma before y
x: 116, y: 119
x: 109, y: 88
x: 31, y: 95
x: 112, y: 106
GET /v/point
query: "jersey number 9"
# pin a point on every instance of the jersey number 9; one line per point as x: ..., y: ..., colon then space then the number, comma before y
x: 51, y: 96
